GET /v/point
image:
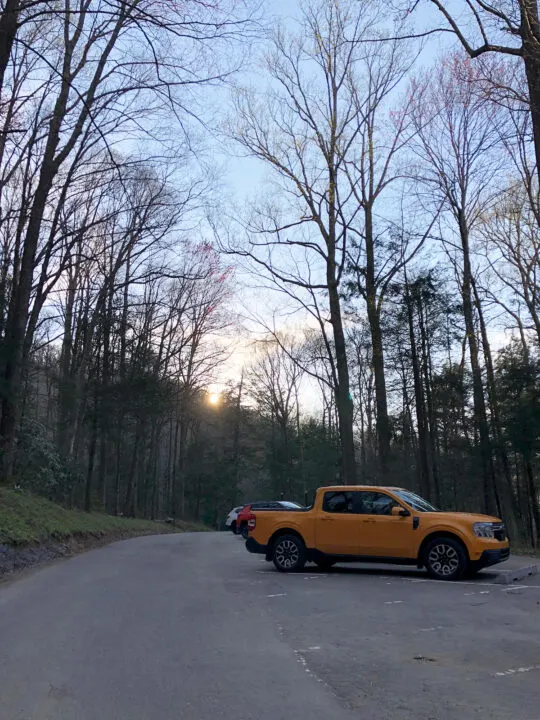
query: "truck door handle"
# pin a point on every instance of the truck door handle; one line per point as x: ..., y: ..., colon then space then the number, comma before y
x: 327, y: 519
x: 368, y: 521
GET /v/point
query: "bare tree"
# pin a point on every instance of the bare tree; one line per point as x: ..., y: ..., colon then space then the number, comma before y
x: 313, y: 131
x: 273, y: 381
x: 456, y: 144
x: 91, y: 92
x: 512, y: 245
x: 372, y: 169
x: 510, y: 28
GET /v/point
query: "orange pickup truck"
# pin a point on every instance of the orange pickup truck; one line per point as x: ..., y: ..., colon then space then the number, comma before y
x: 378, y: 524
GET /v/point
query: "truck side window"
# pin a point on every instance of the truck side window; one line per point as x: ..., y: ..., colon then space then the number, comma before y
x: 375, y: 503
x: 340, y: 502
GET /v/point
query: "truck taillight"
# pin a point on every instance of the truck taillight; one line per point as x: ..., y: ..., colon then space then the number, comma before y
x: 252, y: 522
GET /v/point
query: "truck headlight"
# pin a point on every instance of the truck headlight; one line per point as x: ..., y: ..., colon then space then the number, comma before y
x: 484, y: 530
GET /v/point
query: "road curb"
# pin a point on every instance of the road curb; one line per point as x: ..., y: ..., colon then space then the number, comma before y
x: 507, y: 577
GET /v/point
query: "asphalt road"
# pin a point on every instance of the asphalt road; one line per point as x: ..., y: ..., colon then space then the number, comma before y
x: 185, y: 627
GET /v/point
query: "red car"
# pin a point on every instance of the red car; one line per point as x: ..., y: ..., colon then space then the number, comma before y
x: 244, y: 514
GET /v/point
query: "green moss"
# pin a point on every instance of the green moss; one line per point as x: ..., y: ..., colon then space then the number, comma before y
x: 26, y: 519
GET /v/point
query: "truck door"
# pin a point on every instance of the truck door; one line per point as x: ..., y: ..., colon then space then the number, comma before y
x: 337, y: 526
x: 382, y: 534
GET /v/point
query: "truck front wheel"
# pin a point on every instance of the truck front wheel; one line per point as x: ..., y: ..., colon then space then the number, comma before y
x: 445, y: 559
x: 289, y: 553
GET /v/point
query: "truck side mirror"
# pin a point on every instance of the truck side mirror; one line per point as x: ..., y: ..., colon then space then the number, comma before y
x: 398, y: 511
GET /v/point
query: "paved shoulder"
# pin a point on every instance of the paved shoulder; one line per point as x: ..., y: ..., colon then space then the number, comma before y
x: 155, y: 628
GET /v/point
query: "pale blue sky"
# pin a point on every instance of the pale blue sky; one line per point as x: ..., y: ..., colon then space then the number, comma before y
x: 244, y: 178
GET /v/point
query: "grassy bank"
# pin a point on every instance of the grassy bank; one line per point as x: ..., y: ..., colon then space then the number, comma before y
x: 30, y: 520
x: 532, y: 552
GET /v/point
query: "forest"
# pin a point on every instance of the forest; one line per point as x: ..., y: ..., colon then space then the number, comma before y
x: 176, y: 339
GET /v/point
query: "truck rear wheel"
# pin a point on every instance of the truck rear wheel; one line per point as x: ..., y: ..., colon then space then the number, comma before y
x: 289, y: 553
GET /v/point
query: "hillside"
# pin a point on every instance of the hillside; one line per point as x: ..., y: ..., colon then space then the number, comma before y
x: 34, y: 530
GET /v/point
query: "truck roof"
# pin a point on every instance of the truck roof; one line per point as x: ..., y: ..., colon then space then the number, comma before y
x: 358, y: 487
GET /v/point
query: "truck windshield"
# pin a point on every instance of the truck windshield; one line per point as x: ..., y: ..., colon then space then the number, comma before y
x: 415, y: 501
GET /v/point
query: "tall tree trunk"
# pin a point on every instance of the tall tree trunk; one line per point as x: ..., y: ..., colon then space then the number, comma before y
x: 480, y: 415
x: 236, y: 435
x: 374, y: 319
x: 131, y: 492
x: 172, y: 500
x: 9, y: 24
x: 530, y: 28
x: 510, y: 510
x: 342, y: 391
x: 300, y: 438
x: 182, y: 448
x: 122, y: 369
x: 104, y: 399
x: 427, y: 385
x: 91, y: 462
x: 420, y: 405
x: 533, y: 500
x: 66, y: 389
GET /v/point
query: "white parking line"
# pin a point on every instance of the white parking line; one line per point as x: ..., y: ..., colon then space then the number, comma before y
x: 411, y: 580
x: 516, y: 587
x: 393, y: 602
x: 516, y: 671
x: 299, y: 576
x: 278, y: 595
x: 302, y: 660
x: 473, y: 583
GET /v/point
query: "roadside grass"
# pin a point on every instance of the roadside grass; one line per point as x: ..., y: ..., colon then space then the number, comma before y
x: 28, y: 520
x: 533, y: 552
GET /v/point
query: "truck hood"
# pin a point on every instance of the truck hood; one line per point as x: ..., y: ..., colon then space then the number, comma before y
x: 471, y: 517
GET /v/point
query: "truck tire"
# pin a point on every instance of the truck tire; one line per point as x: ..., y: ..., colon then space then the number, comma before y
x: 289, y: 553
x: 445, y: 559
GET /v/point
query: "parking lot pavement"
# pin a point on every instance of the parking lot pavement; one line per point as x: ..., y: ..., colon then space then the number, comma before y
x: 192, y: 627
x: 391, y: 643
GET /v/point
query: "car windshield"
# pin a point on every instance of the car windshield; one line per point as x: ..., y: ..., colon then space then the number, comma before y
x: 415, y: 501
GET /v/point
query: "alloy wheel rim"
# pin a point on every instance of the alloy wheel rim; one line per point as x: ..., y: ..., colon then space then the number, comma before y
x: 444, y: 559
x: 287, y: 554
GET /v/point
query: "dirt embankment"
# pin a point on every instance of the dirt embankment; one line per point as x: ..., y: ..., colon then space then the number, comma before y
x: 15, y: 559
x: 35, y: 531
